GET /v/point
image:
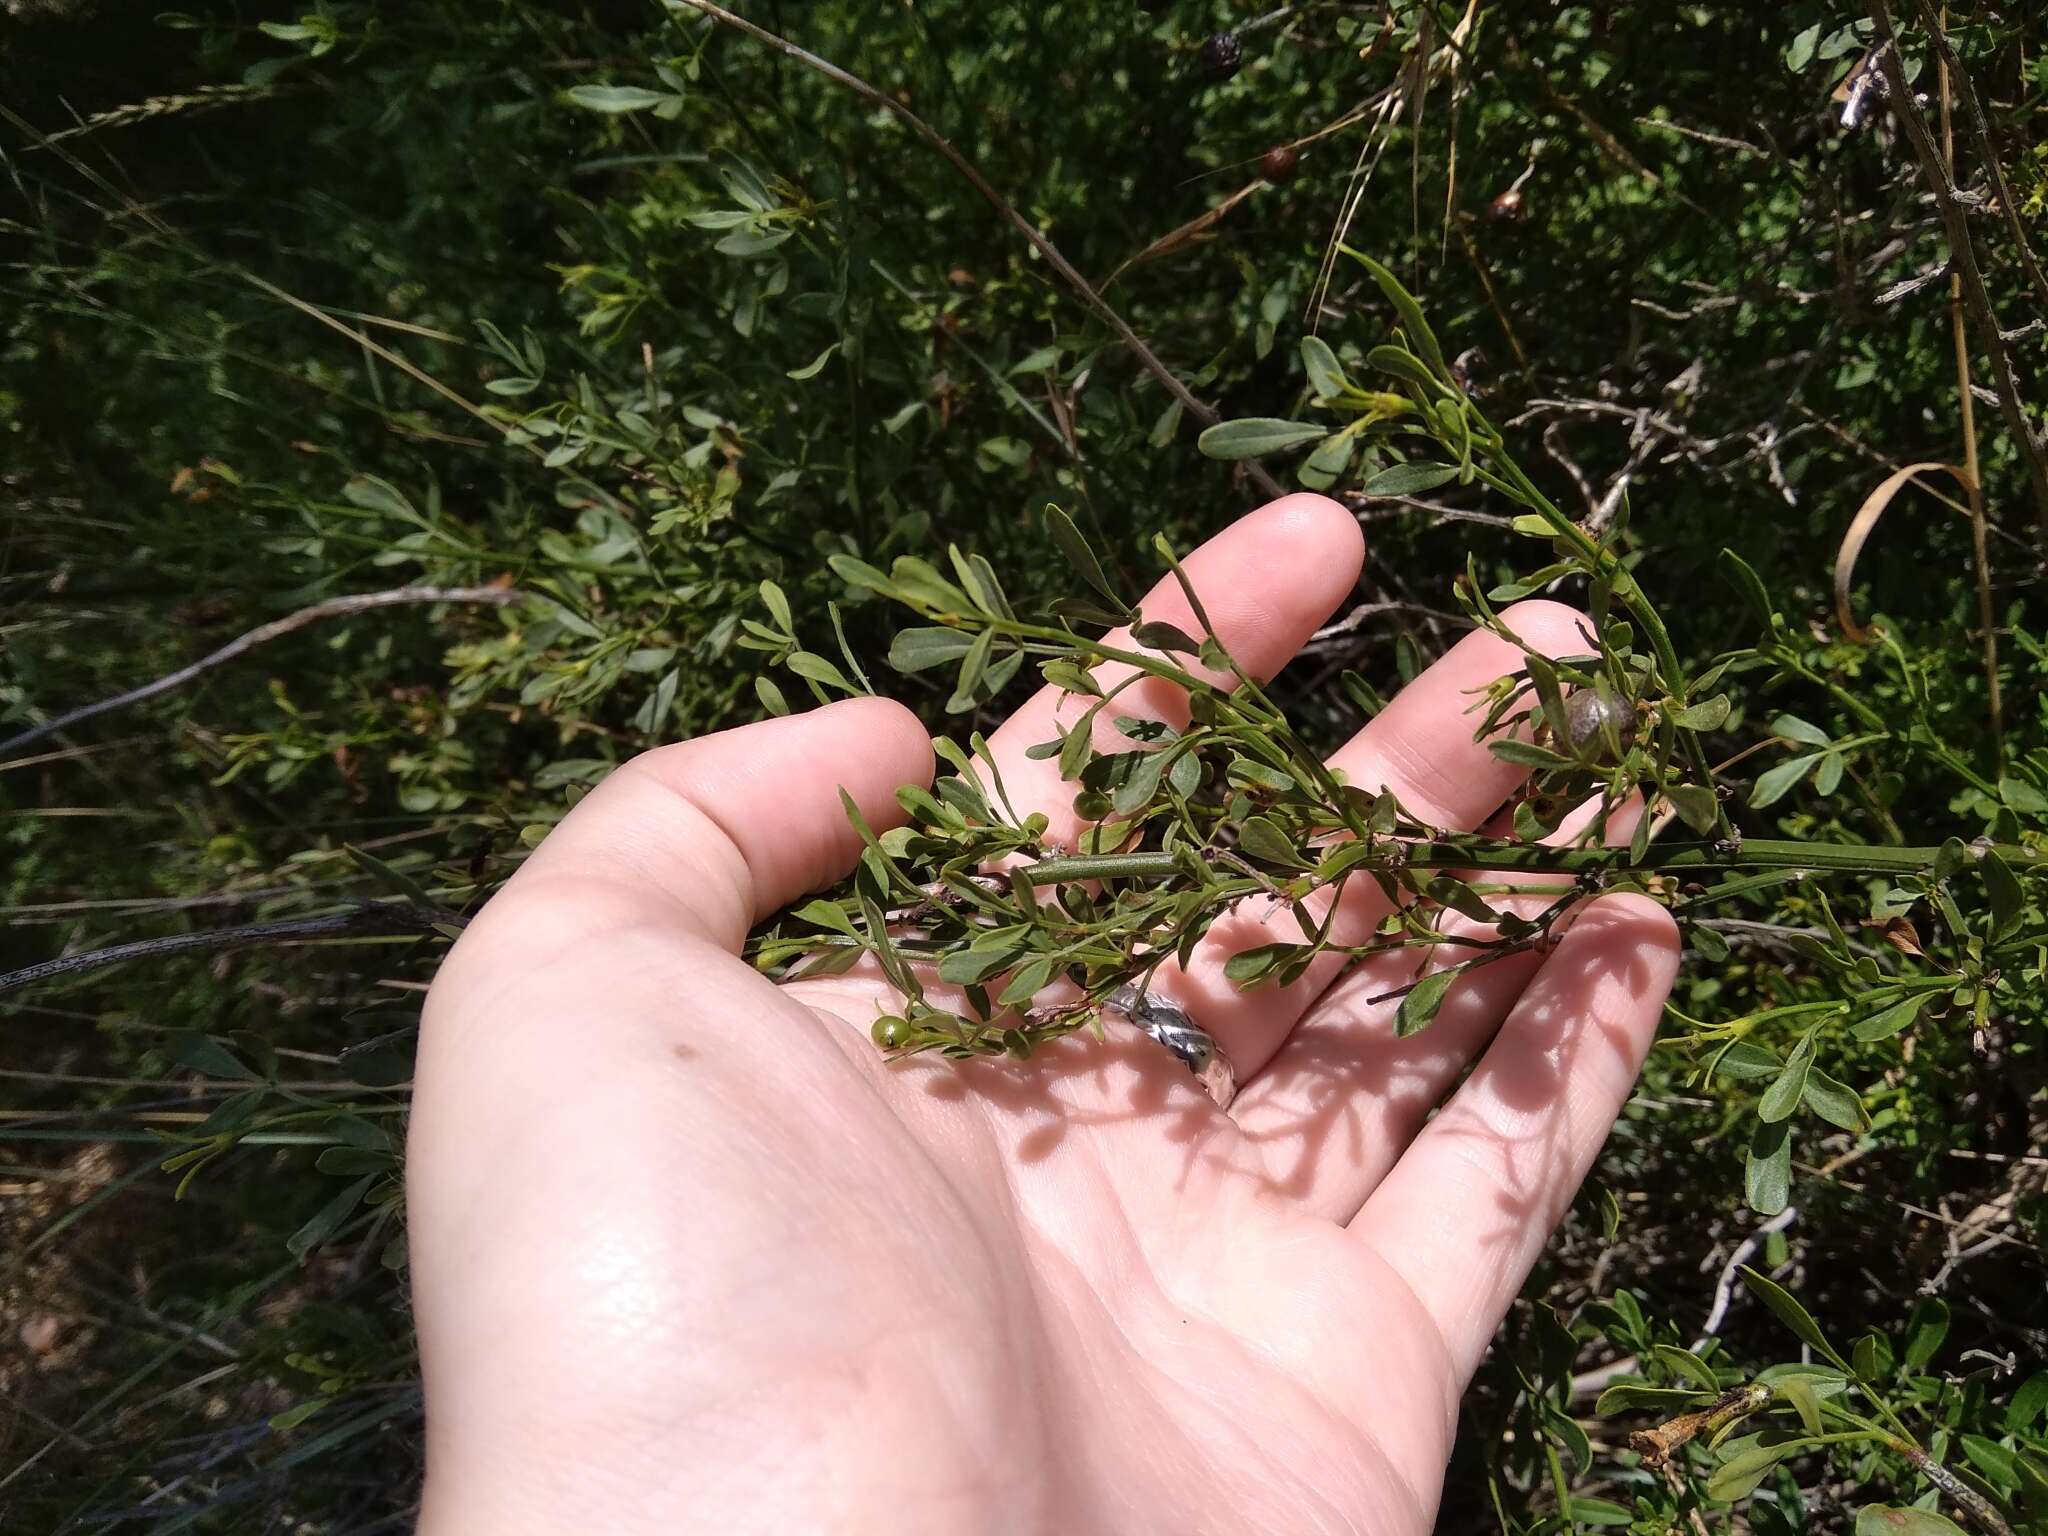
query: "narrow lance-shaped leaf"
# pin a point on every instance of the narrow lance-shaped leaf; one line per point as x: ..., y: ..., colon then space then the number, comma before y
x: 1080, y: 556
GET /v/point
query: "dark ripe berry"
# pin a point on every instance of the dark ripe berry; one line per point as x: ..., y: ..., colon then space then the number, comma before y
x: 1279, y: 164
x: 1222, y: 56
x: 1587, y: 714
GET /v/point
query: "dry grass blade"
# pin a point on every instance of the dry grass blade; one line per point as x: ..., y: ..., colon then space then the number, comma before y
x: 1186, y: 234
x: 1860, y: 527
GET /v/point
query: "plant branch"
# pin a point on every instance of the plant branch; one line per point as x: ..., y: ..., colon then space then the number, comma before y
x: 1754, y: 853
x: 262, y: 634
x: 1068, y: 272
x: 1987, y: 146
x: 1956, y: 222
x: 369, y: 918
x: 1987, y: 614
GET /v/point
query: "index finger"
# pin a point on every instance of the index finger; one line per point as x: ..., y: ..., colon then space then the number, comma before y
x: 1266, y: 582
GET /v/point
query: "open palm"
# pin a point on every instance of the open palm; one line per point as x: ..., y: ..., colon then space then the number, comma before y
x: 689, y: 1254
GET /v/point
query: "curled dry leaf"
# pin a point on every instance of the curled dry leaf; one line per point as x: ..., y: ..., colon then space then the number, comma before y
x: 1859, y: 531
x: 1898, y: 932
x: 1195, y: 228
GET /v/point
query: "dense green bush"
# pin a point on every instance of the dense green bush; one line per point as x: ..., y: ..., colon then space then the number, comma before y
x: 602, y: 316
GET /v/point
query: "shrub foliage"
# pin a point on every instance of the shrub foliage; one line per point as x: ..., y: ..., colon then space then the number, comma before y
x: 656, y: 372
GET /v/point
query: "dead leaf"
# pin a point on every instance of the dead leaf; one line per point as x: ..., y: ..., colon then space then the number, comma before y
x: 1187, y: 233
x: 1860, y: 527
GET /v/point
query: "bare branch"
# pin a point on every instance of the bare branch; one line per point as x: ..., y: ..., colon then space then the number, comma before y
x: 1987, y: 147
x: 333, y: 608
x: 369, y: 918
x: 1963, y: 256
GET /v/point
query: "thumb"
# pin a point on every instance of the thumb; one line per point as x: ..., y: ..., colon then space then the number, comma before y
x: 719, y: 832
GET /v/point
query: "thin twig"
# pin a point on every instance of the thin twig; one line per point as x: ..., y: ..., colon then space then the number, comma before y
x: 333, y: 608
x: 1963, y: 255
x: 369, y: 918
x: 1973, y: 485
x: 1195, y: 407
x: 1987, y: 147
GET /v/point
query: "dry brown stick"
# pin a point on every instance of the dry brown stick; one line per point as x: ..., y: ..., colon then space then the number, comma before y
x: 1972, y: 476
x: 1962, y: 254
x: 1070, y: 274
x: 371, y: 918
x: 1987, y: 147
x: 262, y: 634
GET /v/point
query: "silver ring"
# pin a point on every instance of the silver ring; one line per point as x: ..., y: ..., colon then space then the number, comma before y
x: 1173, y: 1027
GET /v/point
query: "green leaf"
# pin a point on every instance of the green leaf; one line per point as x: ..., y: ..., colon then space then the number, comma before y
x: 1688, y: 1366
x: 1789, y: 1311
x: 1420, y: 336
x: 1951, y: 860
x: 967, y: 967
x: 1782, y: 1097
x: 1925, y: 1330
x: 1526, y: 754
x: 919, y: 649
x: 1903, y: 1520
x: 328, y: 1219
x: 1419, y: 1006
x: 1797, y: 730
x: 2003, y: 889
x: 615, y: 98
x: 374, y: 495
x: 1887, y: 1022
x: 1080, y: 556
x: 1740, y: 1474
x: 1744, y: 1062
x: 2022, y: 796
x: 1625, y: 1396
x: 1157, y: 635
x: 352, y: 1161
x: 384, y: 1062
x: 1696, y: 805
x: 1141, y: 784
x: 1835, y: 1102
x: 207, y: 1056
x: 752, y: 242
x: 777, y: 603
x: 826, y: 914
x: 808, y: 664
x: 1030, y: 980
x: 1325, y: 373
x: 2028, y: 1404
x: 1772, y: 784
x: 815, y: 366
x: 298, y: 1413
x: 1743, y: 577
x: 1264, y: 840
x: 973, y: 668
x: 1409, y: 479
x: 1800, y: 53
x: 1707, y: 715
x: 1767, y: 1171
x: 1403, y: 364
x: 1589, y: 1511
x: 1800, y: 1394
x: 1990, y: 1458
x: 1256, y: 963
x: 1255, y: 436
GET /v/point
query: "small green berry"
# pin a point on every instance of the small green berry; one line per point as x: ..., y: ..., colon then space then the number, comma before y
x: 891, y: 1033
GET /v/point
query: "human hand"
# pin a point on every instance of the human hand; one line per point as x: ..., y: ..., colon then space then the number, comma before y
x: 688, y: 1253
